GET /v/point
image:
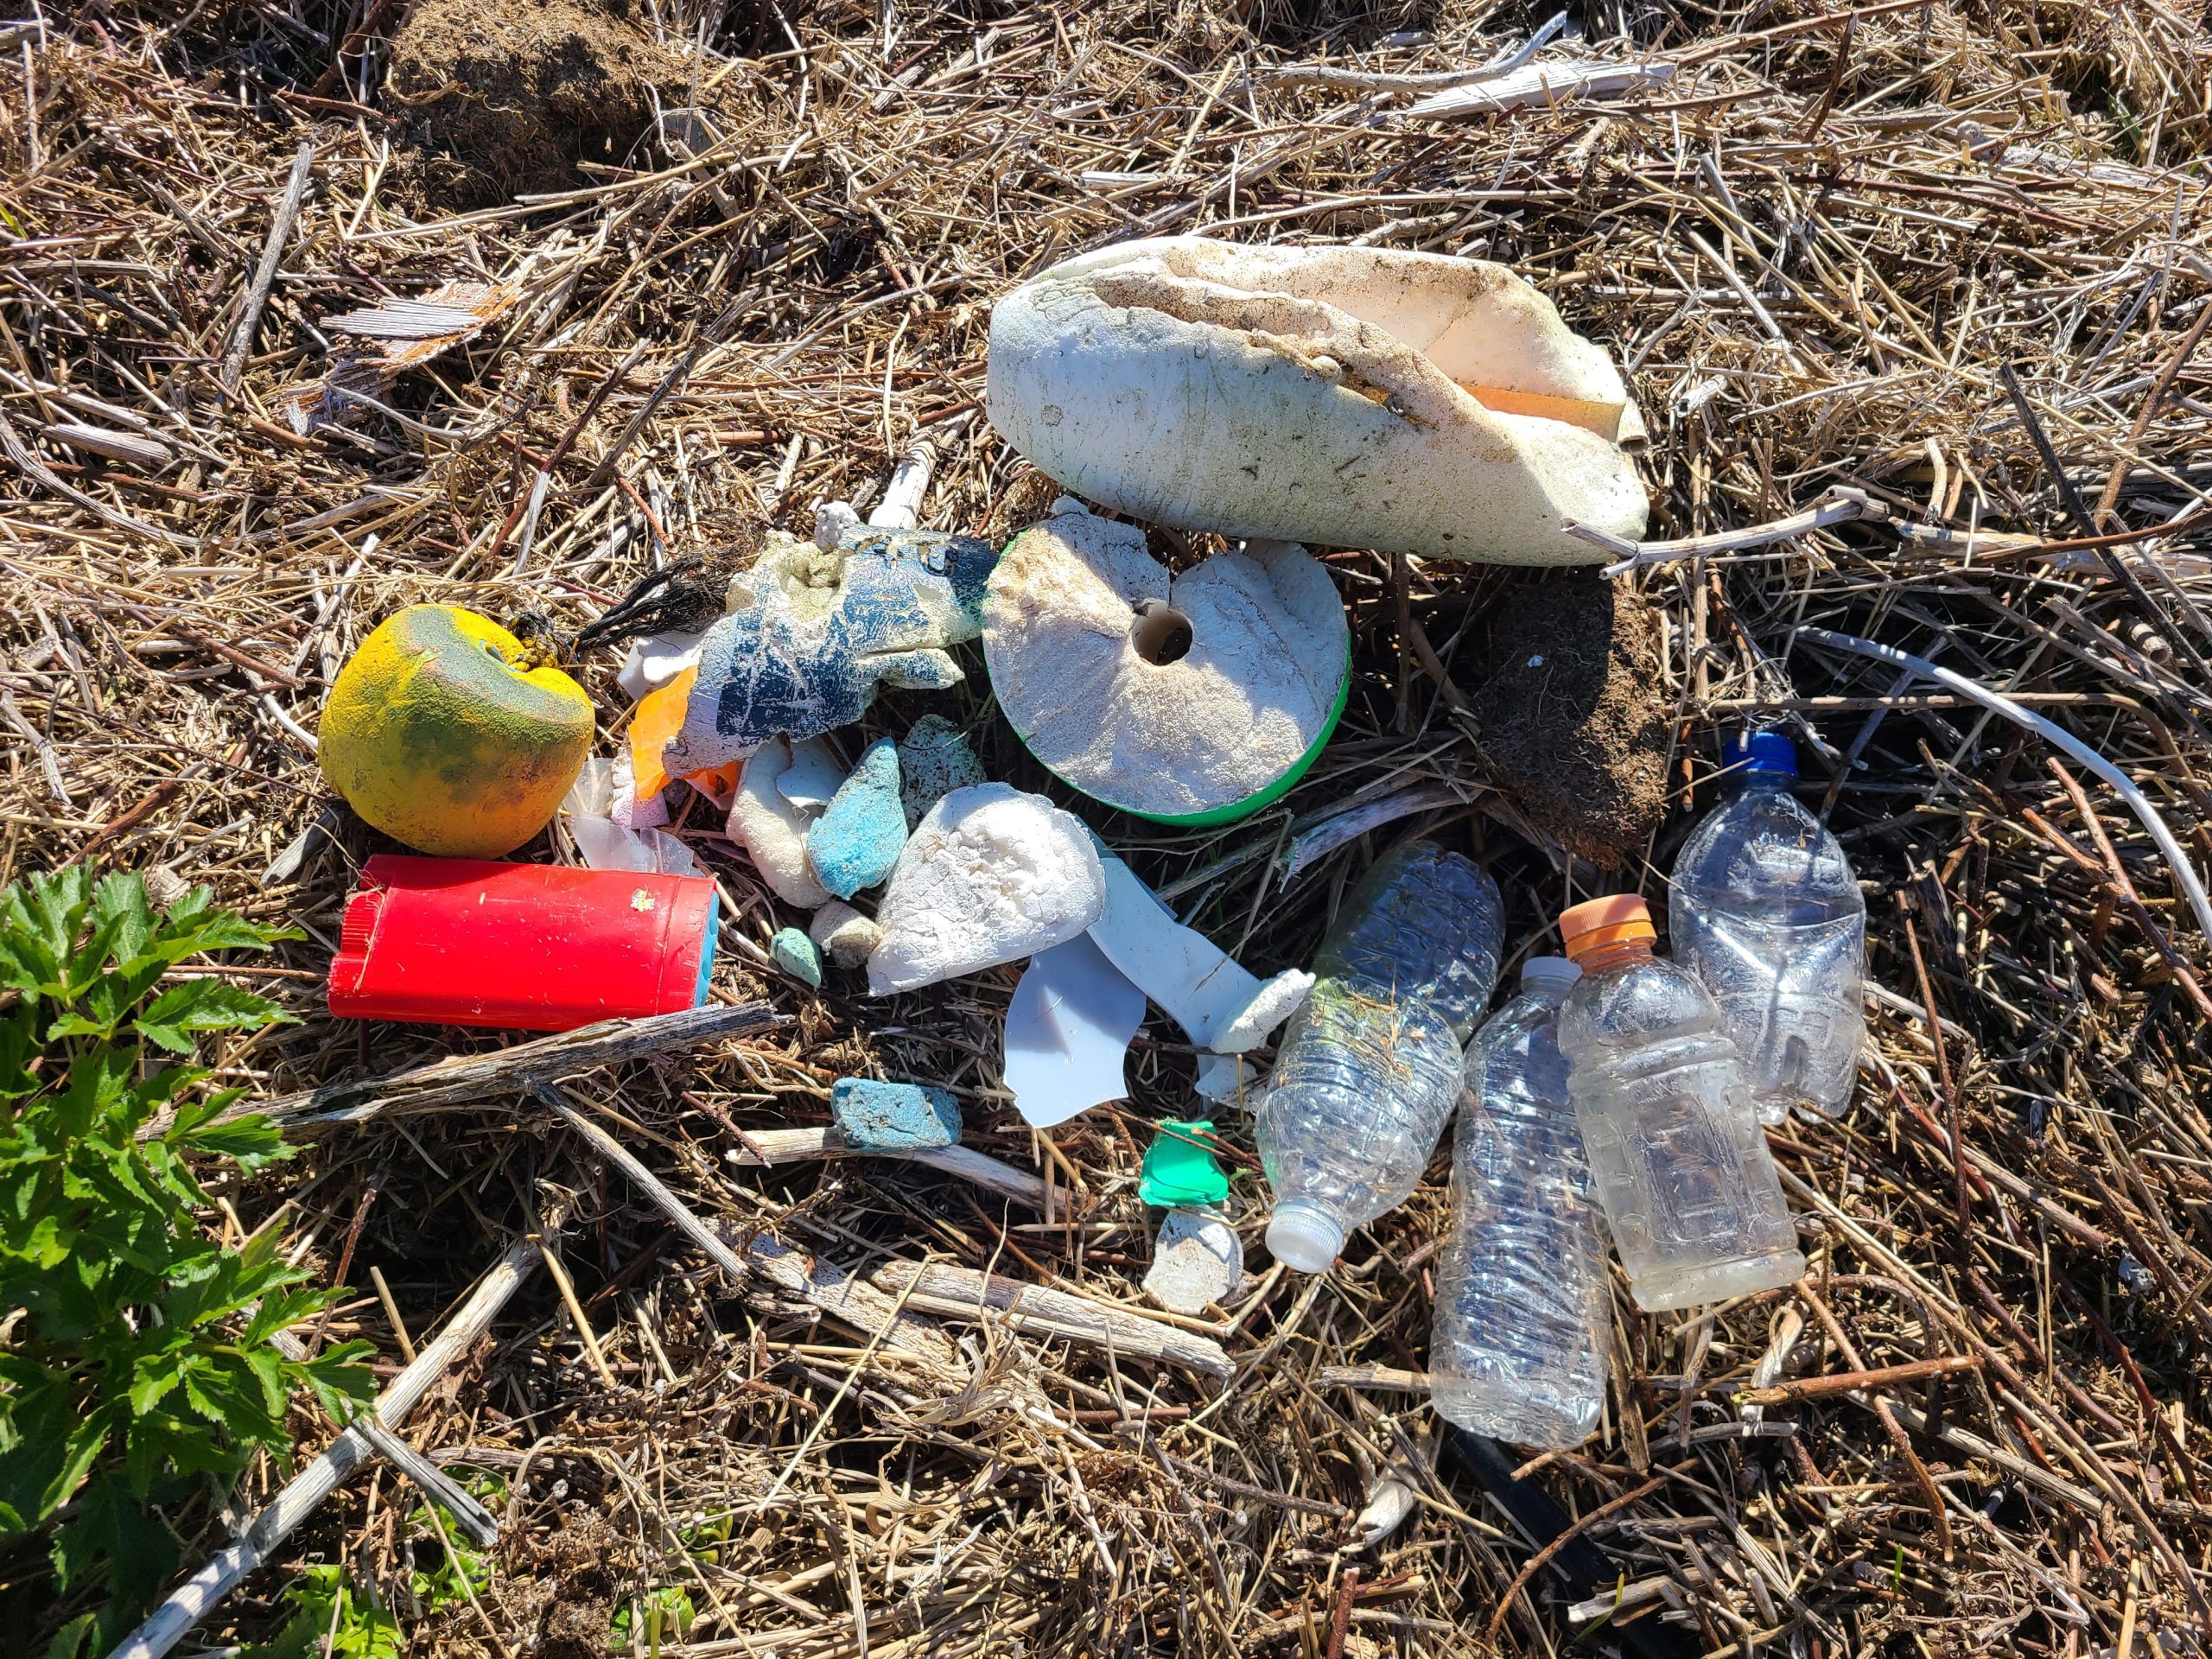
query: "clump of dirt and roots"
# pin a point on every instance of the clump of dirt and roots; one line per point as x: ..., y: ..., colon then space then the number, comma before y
x: 508, y: 99
x: 1569, y: 715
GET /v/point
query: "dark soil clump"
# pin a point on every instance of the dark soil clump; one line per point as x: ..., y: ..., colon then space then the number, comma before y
x: 1570, y: 722
x: 505, y: 98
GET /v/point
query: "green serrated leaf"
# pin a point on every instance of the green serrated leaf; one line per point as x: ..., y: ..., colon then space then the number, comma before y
x: 200, y: 1005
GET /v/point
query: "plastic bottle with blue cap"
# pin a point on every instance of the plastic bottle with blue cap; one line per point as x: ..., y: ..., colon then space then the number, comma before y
x: 1765, y: 910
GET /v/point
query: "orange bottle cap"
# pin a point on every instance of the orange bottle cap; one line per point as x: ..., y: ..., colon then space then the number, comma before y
x: 1597, y: 922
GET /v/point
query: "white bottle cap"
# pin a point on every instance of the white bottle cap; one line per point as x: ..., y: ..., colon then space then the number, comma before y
x: 1304, y: 1238
x: 1539, y: 972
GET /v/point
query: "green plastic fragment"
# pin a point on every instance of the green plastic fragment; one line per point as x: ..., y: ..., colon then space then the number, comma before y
x: 1179, y: 1168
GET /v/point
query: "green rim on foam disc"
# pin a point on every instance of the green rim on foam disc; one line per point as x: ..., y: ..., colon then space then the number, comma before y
x: 1189, y: 700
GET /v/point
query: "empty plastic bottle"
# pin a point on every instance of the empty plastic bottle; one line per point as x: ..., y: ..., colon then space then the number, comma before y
x: 1518, y: 1342
x: 1369, y: 1070
x: 1765, y: 910
x: 1676, y: 1155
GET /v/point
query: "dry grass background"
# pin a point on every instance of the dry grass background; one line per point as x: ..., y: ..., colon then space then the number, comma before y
x: 1815, y: 248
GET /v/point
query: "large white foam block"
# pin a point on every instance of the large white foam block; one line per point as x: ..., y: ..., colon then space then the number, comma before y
x: 992, y: 875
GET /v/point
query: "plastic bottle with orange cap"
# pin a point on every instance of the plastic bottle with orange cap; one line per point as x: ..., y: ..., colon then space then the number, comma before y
x: 1676, y: 1154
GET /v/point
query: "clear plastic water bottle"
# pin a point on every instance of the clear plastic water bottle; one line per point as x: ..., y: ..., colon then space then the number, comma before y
x: 1369, y: 1070
x: 1765, y: 910
x: 1676, y: 1155
x: 1518, y: 1342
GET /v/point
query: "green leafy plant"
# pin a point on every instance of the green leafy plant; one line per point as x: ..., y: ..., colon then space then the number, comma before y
x: 461, y: 1571
x: 327, y: 1606
x: 136, y: 1361
x: 668, y: 1615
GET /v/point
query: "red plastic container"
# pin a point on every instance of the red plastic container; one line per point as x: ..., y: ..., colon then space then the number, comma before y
x: 472, y: 942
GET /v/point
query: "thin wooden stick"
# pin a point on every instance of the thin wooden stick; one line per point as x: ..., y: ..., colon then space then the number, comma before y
x: 272, y: 254
x: 193, y: 1599
x: 1811, y: 1388
x: 648, y: 1183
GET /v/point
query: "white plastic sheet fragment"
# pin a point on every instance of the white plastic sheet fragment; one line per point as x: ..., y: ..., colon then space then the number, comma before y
x: 1202, y: 988
x: 654, y: 659
x: 1068, y: 1031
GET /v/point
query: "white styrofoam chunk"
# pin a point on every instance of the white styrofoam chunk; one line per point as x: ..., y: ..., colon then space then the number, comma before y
x: 1197, y: 1262
x: 1068, y: 1031
x: 991, y: 875
x: 846, y: 937
x: 773, y: 830
x: 812, y: 778
x: 1272, y: 1004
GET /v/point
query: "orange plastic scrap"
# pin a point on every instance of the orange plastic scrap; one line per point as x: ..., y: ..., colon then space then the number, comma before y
x: 658, y: 717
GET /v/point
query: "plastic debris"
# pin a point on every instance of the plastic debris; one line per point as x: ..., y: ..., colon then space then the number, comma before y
x: 1369, y: 1072
x: 452, y: 734
x: 813, y: 778
x: 1180, y: 1171
x: 1763, y: 908
x: 1222, y: 1076
x: 1676, y: 1154
x: 934, y: 760
x: 875, y: 1117
x: 604, y: 844
x: 773, y: 830
x: 655, y: 719
x: 1196, y: 698
x: 540, y: 947
x: 846, y: 937
x: 796, y: 955
x: 817, y: 632
x: 856, y: 842
x: 1345, y: 397
x: 654, y: 659
x: 991, y: 875
x: 1068, y: 1031
x: 1221, y: 1006
x: 1197, y: 1262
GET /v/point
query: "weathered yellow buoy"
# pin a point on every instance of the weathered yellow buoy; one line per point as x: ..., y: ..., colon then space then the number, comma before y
x: 448, y: 732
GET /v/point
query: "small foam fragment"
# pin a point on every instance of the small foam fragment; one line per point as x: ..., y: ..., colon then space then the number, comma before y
x: 872, y: 1116
x: 1197, y: 1262
x: 991, y: 875
x: 856, y: 842
x: 934, y: 760
x: 846, y: 937
x: 798, y: 955
x: 773, y: 830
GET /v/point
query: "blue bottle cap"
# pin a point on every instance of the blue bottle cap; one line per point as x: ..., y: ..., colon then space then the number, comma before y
x: 1757, y: 754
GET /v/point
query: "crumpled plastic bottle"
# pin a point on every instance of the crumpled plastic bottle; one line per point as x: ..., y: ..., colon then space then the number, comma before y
x: 1522, y: 1326
x: 1369, y: 1070
x: 1676, y: 1155
x: 1765, y: 910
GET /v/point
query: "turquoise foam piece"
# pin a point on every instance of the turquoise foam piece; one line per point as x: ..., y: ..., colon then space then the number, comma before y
x: 876, y: 1117
x: 798, y: 955
x: 858, y: 838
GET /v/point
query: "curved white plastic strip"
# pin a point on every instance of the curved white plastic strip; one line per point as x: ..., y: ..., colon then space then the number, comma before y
x: 1998, y: 703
